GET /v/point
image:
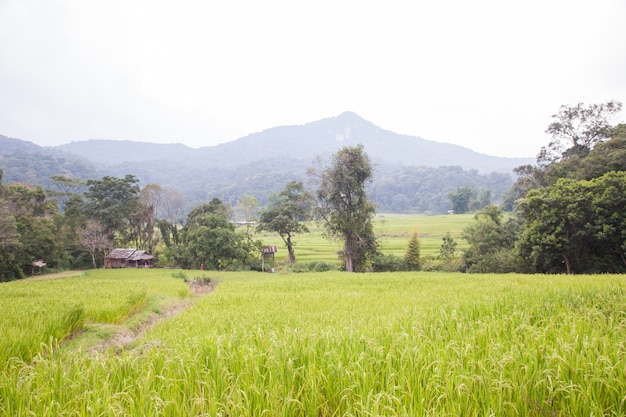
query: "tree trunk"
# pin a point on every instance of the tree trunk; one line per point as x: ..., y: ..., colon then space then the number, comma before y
x: 348, y: 253
x: 292, y: 255
x: 568, y: 266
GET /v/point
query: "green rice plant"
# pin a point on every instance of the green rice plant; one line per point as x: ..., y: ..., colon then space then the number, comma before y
x: 50, y: 311
x: 338, y: 344
x: 393, y: 231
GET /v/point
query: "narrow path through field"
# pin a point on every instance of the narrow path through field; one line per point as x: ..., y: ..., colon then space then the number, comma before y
x: 125, y: 337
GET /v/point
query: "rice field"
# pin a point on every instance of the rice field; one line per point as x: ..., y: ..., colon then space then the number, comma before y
x: 334, y: 344
x: 393, y: 231
x: 51, y: 310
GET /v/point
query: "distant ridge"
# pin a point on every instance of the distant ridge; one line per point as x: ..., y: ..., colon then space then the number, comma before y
x: 9, y: 145
x: 411, y: 174
x: 301, y: 142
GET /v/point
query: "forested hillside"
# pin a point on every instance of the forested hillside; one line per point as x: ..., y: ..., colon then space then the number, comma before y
x: 411, y: 174
x: 570, y: 214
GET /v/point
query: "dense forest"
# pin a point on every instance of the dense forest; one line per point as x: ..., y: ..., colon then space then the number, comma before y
x: 404, y: 189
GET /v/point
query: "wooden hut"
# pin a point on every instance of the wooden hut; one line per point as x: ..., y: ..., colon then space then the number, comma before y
x: 128, y: 258
x: 38, y: 266
x: 267, y: 252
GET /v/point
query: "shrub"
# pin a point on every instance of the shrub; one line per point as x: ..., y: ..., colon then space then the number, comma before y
x: 315, y: 266
x: 388, y: 263
x: 180, y: 275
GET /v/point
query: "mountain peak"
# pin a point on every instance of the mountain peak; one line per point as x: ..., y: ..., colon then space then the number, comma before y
x: 349, y: 115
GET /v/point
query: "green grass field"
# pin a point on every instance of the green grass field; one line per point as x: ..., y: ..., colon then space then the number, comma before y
x: 393, y: 230
x: 319, y: 344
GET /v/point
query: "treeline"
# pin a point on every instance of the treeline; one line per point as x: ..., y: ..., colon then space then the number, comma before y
x: 76, y: 228
x: 427, y: 190
x: 568, y: 210
x: 404, y: 189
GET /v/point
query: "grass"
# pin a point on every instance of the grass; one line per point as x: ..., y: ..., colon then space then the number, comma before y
x: 393, y: 230
x: 338, y: 344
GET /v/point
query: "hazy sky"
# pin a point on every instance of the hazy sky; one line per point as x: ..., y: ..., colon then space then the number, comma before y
x: 483, y: 74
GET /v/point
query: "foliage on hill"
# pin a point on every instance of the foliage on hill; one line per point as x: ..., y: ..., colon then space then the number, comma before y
x: 410, y: 174
x: 38, y: 168
x: 570, y: 216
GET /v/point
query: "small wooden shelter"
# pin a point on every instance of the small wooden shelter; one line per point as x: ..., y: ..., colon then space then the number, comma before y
x: 38, y: 266
x: 128, y: 258
x: 267, y: 252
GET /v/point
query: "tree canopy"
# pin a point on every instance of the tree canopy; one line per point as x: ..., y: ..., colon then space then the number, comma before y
x: 344, y: 207
x: 286, y: 214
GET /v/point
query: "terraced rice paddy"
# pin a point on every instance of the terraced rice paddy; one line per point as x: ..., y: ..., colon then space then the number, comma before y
x: 393, y: 231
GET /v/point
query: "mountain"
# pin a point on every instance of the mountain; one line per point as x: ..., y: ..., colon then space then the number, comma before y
x: 411, y: 174
x: 9, y: 145
x: 301, y: 142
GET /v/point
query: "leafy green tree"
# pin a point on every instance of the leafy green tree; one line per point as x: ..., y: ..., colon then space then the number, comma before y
x: 209, y: 238
x: 344, y: 207
x: 285, y: 216
x: 35, y: 222
x: 583, y: 146
x: 9, y: 241
x: 111, y: 202
x: 142, y: 227
x: 607, y: 156
x: 215, y: 206
x: 74, y: 219
x: 461, y: 199
x: 491, y: 242
x: 608, y: 201
x: 447, y: 251
x: 412, y: 255
x: 576, y: 226
x: 578, y: 129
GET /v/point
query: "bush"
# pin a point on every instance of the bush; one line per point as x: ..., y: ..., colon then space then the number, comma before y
x: 502, y: 261
x: 315, y: 266
x: 444, y: 265
x: 388, y: 263
x: 180, y: 275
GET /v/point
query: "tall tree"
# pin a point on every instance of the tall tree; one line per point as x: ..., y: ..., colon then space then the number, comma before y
x: 285, y: 215
x: 577, y: 129
x: 111, y: 201
x: 171, y: 203
x: 9, y: 241
x: 144, y: 216
x: 150, y: 196
x: 461, y: 199
x: 344, y: 207
x: 65, y: 188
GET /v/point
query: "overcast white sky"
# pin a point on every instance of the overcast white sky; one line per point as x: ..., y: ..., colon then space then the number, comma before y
x: 485, y: 74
